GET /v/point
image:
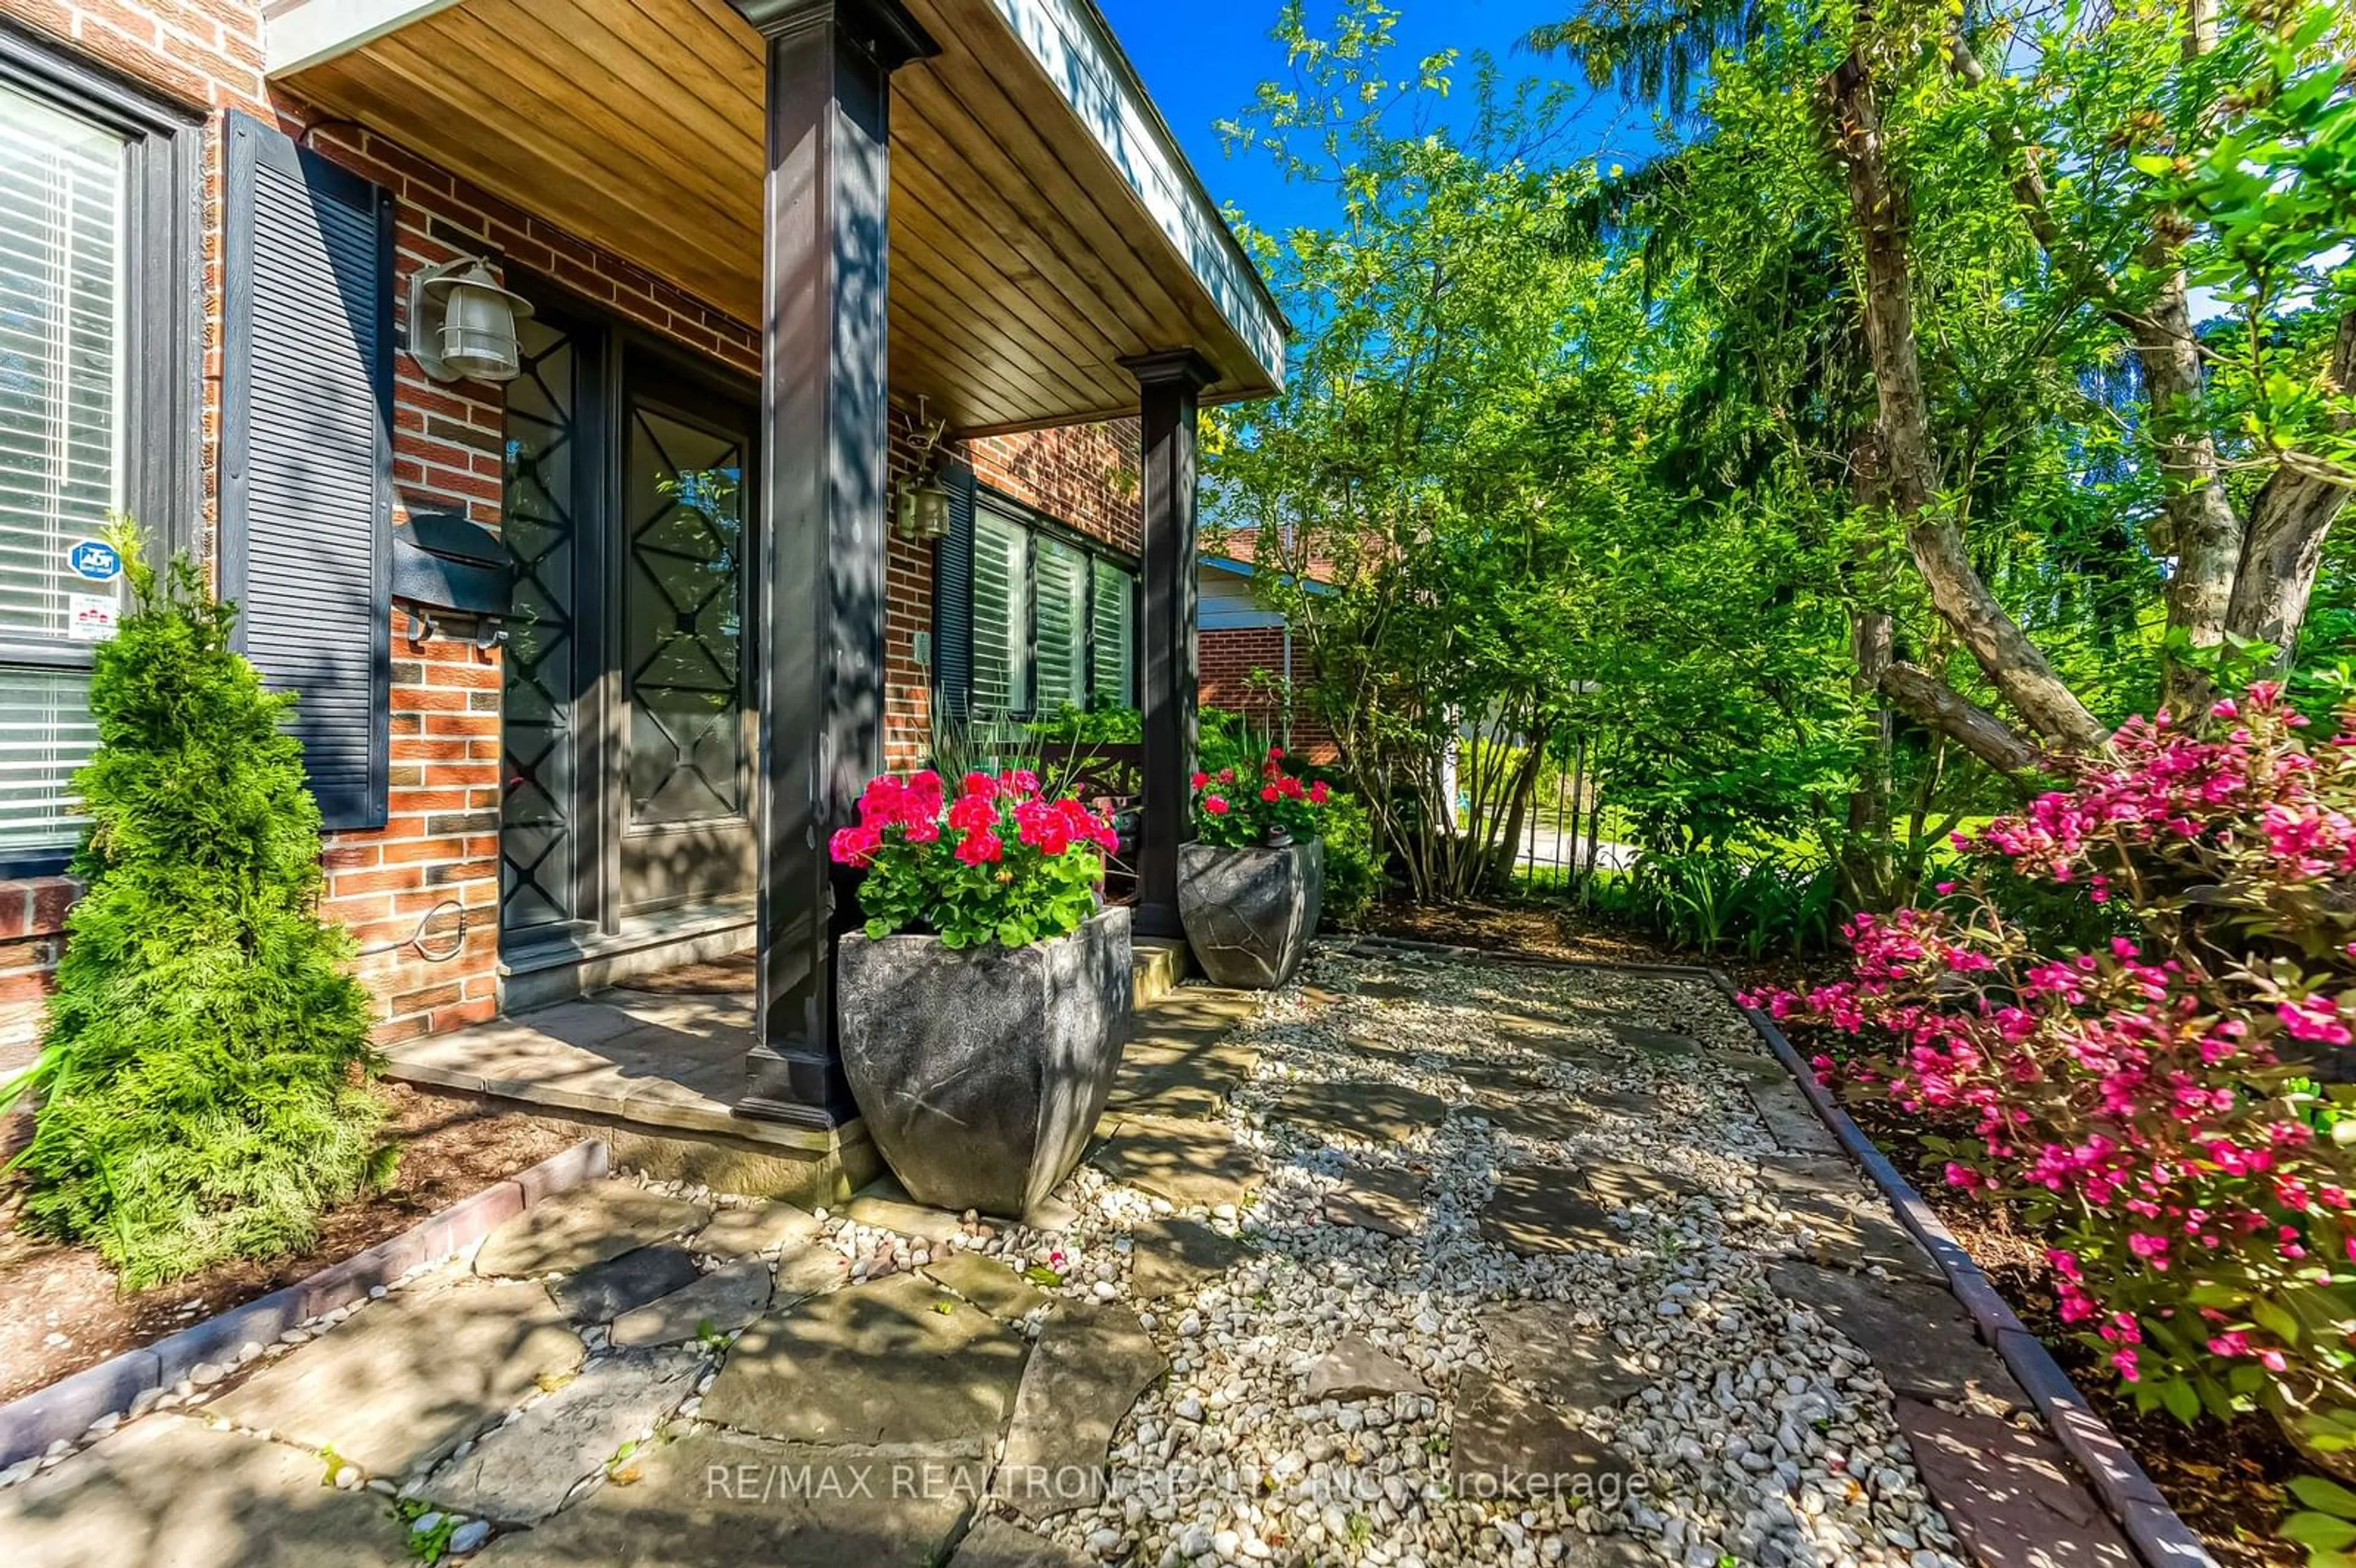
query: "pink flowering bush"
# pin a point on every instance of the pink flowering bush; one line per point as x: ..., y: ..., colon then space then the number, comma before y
x: 2148, y: 1104
x: 1238, y: 813
x: 999, y: 863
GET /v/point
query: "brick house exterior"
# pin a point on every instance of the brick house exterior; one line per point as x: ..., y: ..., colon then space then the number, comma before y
x: 437, y: 857
x: 1249, y: 661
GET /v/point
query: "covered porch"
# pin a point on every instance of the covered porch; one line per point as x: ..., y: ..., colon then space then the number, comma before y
x: 656, y: 1068
x: 965, y: 209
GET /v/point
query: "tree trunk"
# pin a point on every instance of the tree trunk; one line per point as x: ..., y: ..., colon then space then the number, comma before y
x: 1877, y: 206
x: 2207, y: 533
x: 2293, y: 513
x: 1517, y: 809
x: 1865, y: 854
x: 1572, y: 882
x: 1594, y: 835
x: 1864, y: 857
x: 2204, y: 534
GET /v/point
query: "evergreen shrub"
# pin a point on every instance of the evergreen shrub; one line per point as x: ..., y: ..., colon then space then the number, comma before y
x: 202, y: 1092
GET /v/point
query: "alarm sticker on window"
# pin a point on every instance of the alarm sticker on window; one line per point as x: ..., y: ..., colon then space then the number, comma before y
x: 91, y: 617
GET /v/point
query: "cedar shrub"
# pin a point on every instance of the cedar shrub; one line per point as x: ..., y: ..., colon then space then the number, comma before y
x: 203, y: 1087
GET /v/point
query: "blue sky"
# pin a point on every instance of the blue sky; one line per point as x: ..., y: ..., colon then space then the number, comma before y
x: 1202, y: 61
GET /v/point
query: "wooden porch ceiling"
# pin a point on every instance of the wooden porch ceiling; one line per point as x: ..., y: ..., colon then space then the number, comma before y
x: 1043, y: 226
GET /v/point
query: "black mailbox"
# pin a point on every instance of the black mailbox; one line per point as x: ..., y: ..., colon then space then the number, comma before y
x: 441, y: 561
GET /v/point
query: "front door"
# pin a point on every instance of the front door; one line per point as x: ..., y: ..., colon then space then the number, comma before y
x: 629, y: 723
x: 684, y: 771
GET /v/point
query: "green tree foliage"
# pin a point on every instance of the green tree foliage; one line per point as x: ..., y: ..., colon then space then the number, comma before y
x: 1414, y: 499
x: 201, y: 1092
x: 1957, y: 382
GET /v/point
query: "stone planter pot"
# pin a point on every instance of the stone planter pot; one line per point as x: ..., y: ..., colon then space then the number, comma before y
x: 1249, y: 913
x: 981, y: 1071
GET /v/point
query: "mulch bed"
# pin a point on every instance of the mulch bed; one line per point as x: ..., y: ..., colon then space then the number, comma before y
x: 1546, y: 930
x: 451, y: 1148
x: 2225, y: 1482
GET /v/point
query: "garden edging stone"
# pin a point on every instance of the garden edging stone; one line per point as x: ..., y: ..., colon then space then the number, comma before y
x: 2160, y: 1537
x: 66, y: 1409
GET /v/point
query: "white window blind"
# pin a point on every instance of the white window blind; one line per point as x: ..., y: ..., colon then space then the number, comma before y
x: 60, y: 302
x: 1000, y: 615
x: 1113, y: 617
x: 61, y: 432
x: 46, y: 733
x: 1062, y: 575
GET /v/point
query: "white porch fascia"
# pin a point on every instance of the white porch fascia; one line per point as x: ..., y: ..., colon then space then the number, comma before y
x: 299, y: 34
x: 1075, y: 48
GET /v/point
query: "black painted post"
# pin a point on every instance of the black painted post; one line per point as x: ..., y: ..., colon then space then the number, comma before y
x: 823, y: 476
x: 1172, y: 382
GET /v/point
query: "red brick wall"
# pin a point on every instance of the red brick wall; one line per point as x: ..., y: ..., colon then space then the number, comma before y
x: 441, y: 843
x: 206, y: 53
x: 1086, y: 475
x: 1082, y: 475
x: 907, y: 612
x: 1230, y: 658
x: 32, y: 929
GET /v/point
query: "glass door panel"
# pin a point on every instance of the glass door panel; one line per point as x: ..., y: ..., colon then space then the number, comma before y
x: 685, y: 777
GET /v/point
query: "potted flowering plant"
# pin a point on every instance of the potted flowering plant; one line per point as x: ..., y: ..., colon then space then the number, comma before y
x: 984, y: 1008
x: 1250, y: 884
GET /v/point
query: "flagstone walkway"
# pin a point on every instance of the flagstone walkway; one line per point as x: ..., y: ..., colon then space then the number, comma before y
x: 1421, y: 1264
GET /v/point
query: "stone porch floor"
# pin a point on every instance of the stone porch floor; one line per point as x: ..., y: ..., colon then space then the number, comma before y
x: 1420, y: 1265
x: 660, y: 1054
x: 665, y: 1054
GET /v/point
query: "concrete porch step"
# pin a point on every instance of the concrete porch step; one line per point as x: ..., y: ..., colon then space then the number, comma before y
x: 1163, y: 965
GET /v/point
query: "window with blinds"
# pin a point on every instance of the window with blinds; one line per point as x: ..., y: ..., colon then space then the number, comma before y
x: 1001, y: 617
x: 1063, y: 627
x: 1113, y: 612
x: 62, y: 292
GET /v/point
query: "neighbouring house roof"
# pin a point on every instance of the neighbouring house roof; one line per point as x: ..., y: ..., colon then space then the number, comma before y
x: 1246, y: 570
x: 1238, y: 553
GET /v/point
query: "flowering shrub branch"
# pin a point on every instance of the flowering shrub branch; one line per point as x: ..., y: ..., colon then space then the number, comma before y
x: 1237, y: 812
x: 2149, y: 1104
x: 999, y: 863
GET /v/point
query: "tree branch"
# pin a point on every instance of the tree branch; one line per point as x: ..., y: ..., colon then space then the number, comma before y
x: 1932, y: 702
x: 2030, y: 194
x: 2206, y: 536
x: 1880, y: 216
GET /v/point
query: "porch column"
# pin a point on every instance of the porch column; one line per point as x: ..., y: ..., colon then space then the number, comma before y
x: 823, y: 459
x: 1171, y: 383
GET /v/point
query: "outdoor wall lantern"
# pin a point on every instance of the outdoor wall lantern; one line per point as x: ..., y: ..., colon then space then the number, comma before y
x: 924, y: 510
x: 462, y: 323
x: 924, y: 501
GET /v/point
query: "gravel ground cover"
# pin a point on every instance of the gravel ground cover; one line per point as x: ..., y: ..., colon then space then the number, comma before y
x: 1421, y: 1262
x: 1760, y: 1436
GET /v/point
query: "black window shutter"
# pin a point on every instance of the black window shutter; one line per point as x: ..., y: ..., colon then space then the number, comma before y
x: 953, y: 600
x: 307, y: 452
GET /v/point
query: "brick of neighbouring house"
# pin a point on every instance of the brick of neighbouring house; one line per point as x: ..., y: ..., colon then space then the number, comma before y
x: 1236, y: 666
